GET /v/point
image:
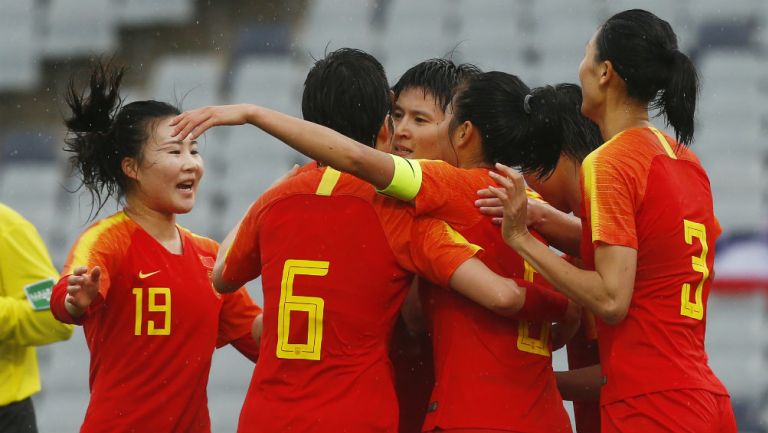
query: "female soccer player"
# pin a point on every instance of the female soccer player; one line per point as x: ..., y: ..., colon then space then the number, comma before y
x: 494, y: 120
x: 138, y: 283
x: 649, y: 234
x: 562, y: 192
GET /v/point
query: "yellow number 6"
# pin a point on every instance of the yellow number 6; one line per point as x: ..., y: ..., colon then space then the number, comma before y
x: 313, y: 306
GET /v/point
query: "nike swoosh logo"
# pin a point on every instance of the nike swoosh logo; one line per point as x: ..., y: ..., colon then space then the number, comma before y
x: 142, y: 275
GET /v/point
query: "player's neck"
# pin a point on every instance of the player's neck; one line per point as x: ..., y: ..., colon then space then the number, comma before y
x: 623, y: 114
x: 161, y: 226
x: 470, y: 155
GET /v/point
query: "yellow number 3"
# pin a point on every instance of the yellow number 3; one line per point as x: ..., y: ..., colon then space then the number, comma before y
x: 313, y: 306
x: 695, y: 309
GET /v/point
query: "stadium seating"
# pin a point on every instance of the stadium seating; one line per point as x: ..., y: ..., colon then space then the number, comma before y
x: 414, y: 31
x: 187, y: 81
x: 81, y: 28
x: 148, y: 12
x: 325, y: 27
x: 19, y: 46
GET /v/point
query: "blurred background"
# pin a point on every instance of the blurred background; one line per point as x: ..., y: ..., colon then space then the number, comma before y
x: 201, y: 52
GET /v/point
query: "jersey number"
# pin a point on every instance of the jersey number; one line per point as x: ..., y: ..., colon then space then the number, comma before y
x: 311, y: 305
x: 153, y: 307
x: 695, y: 309
x: 526, y: 343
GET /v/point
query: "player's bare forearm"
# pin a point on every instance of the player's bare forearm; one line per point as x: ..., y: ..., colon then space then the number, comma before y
x: 477, y: 282
x: 606, y: 291
x: 220, y: 283
x: 562, y: 230
x: 582, y: 384
x: 315, y: 141
x: 326, y: 146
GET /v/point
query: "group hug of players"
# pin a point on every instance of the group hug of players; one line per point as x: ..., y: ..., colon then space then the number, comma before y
x: 393, y: 233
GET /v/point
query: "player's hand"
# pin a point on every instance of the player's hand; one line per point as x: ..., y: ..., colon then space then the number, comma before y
x: 195, y: 122
x: 82, y: 289
x: 489, y: 205
x: 512, y: 195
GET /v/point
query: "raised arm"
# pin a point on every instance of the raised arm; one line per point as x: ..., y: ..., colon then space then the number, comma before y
x: 315, y: 141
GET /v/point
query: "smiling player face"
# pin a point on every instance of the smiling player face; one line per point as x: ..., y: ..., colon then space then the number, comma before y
x: 168, y: 174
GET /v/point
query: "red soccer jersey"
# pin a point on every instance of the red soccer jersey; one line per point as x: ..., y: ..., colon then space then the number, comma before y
x: 153, y: 328
x: 643, y: 191
x: 336, y: 261
x: 491, y: 372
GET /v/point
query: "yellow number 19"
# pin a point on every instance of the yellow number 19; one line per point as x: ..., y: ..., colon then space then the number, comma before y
x: 153, y: 307
x: 695, y: 309
x: 311, y: 305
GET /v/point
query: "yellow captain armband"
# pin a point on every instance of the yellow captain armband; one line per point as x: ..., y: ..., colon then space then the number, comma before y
x: 406, y: 181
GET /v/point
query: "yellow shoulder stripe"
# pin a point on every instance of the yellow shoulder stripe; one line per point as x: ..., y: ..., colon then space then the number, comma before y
x: 82, y: 251
x: 664, y: 143
x: 459, y: 238
x: 328, y: 182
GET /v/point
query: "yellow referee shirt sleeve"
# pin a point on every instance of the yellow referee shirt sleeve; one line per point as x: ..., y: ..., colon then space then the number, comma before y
x: 24, y: 261
x: 406, y: 181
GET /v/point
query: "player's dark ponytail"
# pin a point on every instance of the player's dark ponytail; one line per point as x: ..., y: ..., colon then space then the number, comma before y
x: 102, y: 132
x: 643, y: 50
x: 678, y: 98
x: 519, y: 127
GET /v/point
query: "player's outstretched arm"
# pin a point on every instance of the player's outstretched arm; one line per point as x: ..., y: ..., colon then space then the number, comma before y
x: 82, y: 289
x: 607, y: 291
x: 315, y: 141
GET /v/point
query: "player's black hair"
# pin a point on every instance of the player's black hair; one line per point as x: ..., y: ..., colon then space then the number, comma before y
x: 347, y: 91
x: 101, y: 132
x: 519, y: 126
x: 438, y: 78
x: 643, y: 50
x: 581, y: 135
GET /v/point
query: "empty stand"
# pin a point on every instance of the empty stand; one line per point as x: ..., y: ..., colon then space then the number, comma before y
x: 80, y: 28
